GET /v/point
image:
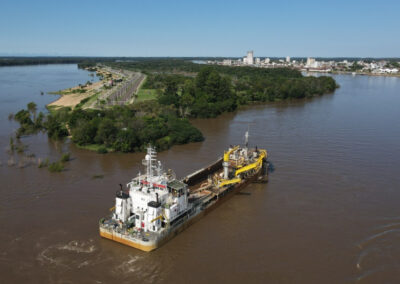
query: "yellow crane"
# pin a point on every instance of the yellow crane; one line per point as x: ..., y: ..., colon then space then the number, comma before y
x: 228, y: 153
x: 240, y: 169
x: 228, y: 181
x: 225, y: 164
x: 157, y: 218
x: 256, y: 165
x: 162, y: 216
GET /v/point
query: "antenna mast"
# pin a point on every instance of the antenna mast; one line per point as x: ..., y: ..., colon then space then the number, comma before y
x: 150, y: 159
x: 246, y: 138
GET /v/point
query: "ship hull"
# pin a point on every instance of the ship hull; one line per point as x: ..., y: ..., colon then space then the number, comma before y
x: 120, y: 238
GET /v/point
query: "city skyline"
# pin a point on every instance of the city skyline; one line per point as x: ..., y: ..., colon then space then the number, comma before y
x: 201, y: 29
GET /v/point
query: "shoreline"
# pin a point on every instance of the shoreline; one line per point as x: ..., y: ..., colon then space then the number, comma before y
x: 113, y: 85
x: 351, y: 73
x: 73, y: 96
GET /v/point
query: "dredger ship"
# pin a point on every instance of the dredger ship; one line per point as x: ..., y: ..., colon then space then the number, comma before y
x: 156, y: 206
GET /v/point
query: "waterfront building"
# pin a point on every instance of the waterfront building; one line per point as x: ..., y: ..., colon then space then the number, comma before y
x: 227, y: 62
x: 310, y: 62
x: 250, y: 57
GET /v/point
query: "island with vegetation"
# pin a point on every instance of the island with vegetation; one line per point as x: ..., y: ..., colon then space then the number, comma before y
x: 172, y: 92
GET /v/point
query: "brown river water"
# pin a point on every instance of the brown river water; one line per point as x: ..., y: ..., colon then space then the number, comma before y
x: 330, y: 213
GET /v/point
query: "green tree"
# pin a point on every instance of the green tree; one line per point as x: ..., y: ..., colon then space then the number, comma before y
x: 84, y: 133
x: 55, y: 129
x: 170, y: 95
x: 188, y: 97
x: 125, y: 141
x: 106, y: 132
x: 23, y: 117
x: 32, y: 108
x: 39, y: 120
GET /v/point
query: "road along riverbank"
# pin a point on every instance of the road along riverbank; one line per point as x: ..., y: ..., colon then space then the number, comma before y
x: 115, y: 87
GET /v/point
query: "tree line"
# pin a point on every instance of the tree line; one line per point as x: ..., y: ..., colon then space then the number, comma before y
x: 217, y: 89
x: 119, y: 128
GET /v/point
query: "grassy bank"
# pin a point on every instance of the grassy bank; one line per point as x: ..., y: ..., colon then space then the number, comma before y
x: 145, y: 95
x: 96, y: 148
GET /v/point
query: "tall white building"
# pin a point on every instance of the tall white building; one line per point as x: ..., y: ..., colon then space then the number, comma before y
x: 288, y: 59
x: 267, y: 60
x: 311, y: 62
x: 250, y: 58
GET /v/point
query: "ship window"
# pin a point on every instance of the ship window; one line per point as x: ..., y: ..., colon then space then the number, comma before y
x: 137, y: 217
x: 154, y: 228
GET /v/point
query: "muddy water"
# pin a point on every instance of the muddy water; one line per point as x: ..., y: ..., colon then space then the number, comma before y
x: 330, y: 213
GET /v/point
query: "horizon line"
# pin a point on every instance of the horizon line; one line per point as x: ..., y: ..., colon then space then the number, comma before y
x: 170, y: 56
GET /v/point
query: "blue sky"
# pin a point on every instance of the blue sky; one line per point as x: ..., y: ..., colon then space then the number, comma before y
x: 200, y: 28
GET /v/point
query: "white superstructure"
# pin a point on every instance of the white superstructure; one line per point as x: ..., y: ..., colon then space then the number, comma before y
x: 152, y: 199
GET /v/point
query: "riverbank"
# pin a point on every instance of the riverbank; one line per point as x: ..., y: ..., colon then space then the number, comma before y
x: 94, y: 95
x: 354, y: 73
x: 71, y: 97
x: 111, y: 115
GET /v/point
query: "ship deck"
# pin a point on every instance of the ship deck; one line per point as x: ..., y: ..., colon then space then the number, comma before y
x: 135, y: 235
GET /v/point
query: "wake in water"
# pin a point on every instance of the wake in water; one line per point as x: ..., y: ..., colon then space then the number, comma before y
x: 84, y: 257
x: 79, y: 247
x: 379, y: 257
x: 127, y: 266
x: 71, y: 255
